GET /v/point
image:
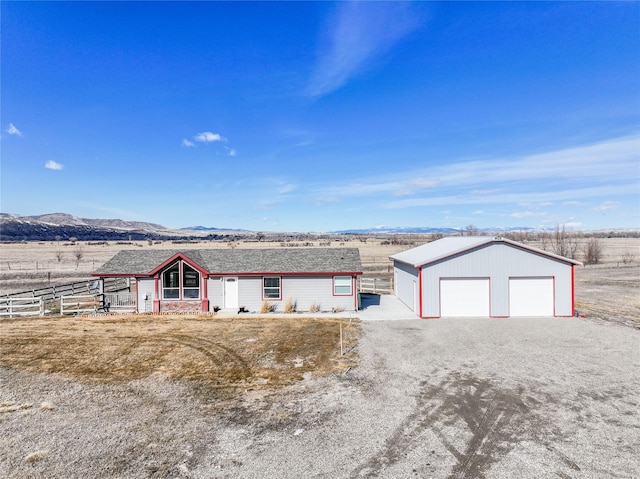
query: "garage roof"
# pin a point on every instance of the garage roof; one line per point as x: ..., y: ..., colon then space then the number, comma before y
x: 454, y: 245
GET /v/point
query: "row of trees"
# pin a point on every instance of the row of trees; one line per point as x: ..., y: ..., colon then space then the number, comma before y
x: 561, y: 241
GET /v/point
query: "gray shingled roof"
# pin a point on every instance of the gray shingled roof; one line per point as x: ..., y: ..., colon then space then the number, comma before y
x: 285, y: 260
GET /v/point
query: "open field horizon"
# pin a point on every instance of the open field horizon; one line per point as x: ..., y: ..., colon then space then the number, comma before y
x: 608, y: 290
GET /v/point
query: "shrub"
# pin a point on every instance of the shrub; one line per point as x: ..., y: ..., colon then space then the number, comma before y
x: 315, y: 307
x: 267, y: 307
x: 592, y: 251
x: 290, y: 306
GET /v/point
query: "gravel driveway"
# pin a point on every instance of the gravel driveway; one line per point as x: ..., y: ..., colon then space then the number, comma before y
x: 459, y: 398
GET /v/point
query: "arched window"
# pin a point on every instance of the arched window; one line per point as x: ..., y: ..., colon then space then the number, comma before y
x: 180, y: 281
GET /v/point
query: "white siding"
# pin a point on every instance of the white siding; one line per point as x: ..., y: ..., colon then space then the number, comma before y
x: 304, y: 291
x: 405, y: 277
x: 499, y: 262
x: 146, y: 291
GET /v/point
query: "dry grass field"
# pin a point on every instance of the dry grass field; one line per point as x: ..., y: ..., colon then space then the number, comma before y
x: 219, y: 356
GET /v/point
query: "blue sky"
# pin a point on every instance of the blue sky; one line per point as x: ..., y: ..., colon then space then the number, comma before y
x: 302, y: 116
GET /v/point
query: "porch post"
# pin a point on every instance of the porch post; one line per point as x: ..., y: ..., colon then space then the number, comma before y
x: 205, y: 293
x: 156, y: 296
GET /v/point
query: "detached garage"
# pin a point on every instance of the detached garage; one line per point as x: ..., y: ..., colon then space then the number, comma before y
x: 485, y: 277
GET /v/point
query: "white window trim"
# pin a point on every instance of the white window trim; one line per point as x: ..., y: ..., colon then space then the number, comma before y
x: 264, y: 297
x: 336, y: 284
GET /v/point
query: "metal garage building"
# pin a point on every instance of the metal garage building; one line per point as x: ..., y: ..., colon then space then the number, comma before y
x: 483, y: 276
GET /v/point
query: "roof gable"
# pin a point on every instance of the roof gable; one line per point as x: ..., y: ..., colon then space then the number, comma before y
x: 238, y: 261
x: 176, y: 257
x: 454, y: 245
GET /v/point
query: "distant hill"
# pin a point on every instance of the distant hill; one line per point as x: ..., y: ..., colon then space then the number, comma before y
x: 207, y: 228
x: 426, y: 230
x: 63, y: 226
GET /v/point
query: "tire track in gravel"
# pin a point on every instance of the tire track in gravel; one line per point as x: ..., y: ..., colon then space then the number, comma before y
x: 492, y: 420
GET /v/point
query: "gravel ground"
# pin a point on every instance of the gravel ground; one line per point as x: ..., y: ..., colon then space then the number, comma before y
x: 449, y: 398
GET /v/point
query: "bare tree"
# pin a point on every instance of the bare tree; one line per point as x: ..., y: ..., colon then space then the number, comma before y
x: 592, y: 251
x: 58, y: 249
x: 563, y: 242
x: 232, y: 243
x: 628, y: 257
x: 260, y: 236
x: 78, y: 253
x: 471, y: 230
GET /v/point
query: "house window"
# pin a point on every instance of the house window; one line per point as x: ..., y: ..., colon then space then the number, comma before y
x: 271, y: 288
x: 180, y: 281
x: 190, y: 282
x: 342, y: 286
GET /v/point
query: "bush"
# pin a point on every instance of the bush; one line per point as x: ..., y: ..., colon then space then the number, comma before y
x: 267, y: 307
x: 290, y: 306
x: 592, y: 251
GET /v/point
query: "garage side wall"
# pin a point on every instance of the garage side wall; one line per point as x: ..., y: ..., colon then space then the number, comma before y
x: 404, y: 278
x: 498, y: 262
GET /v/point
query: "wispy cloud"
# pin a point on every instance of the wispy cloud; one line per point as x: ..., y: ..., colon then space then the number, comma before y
x: 12, y: 130
x: 607, y: 205
x: 534, y: 180
x: 208, y: 137
x: 358, y: 34
x: 52, y: 165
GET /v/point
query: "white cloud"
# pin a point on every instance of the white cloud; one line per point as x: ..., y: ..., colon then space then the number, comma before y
x: 534, y: 180
x: 12, y: 130
x: 607, y: 205
x: 187, y: 143
x: 358, y: 34
x: 287, y: 188
x: 424, y: 183
x: 527, y: 214
x: 52, y: 165
x: 208, y: 137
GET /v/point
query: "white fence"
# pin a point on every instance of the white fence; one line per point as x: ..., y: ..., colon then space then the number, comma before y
x: 375, y: 285
x: 80, y: 304
x: 13, y: 307
x: 120, y: 301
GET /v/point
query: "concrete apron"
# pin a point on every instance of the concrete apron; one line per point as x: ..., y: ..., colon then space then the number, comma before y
x: 382, y: 307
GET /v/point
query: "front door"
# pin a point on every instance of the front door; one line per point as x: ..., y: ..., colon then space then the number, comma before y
x: 231, y: 292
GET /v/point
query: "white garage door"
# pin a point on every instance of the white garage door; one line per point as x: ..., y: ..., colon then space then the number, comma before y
x: 531, y: 296
x: 464, y: 297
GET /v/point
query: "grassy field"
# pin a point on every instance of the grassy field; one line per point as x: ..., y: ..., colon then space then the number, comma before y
x: 222, y: 356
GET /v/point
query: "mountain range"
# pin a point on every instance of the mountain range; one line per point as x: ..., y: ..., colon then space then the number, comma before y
x: 63, y: 226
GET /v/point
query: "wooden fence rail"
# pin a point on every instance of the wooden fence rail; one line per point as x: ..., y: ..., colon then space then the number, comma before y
x: 79, y: 304
x: 375, y: 285
x: 54, y: 292
x: 13, y: 307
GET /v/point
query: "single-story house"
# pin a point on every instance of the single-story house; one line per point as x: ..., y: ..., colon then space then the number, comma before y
x: 202, y: 280
x: 483, y: 276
